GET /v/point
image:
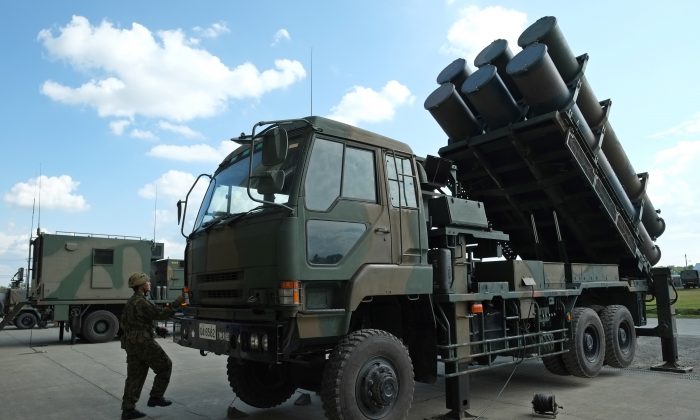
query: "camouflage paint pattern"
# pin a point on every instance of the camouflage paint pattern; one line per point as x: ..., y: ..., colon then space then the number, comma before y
x: 67, y: 271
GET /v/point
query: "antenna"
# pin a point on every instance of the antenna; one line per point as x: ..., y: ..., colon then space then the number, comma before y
x: 38, y: 223
x: 155, y: 215
x: 311, y: 72
x: 31, y: 232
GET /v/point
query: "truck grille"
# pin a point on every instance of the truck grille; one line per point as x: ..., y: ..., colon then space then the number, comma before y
x: 218, y: 277
x: 219, y: 289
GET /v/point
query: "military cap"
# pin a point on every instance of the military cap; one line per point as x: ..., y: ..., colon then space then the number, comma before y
x: 137, y: 279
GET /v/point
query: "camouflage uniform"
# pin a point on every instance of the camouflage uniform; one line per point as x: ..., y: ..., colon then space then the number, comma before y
x: 142, y: 350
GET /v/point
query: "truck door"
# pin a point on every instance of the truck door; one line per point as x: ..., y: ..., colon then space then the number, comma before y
x: 408, y: 241
x: 347, y: 225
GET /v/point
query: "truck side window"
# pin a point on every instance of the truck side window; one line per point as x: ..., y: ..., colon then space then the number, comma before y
x: 322, y: 185
x: 402, y: 188
x: 330, y: 240
x: 358, y: 175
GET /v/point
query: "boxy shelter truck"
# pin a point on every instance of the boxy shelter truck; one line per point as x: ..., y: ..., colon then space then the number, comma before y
x: 80, y: 281
x: 330, y: 258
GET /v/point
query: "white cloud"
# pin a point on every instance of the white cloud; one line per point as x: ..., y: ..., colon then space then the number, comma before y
x: 215, y: 30
x: 193, y: 153
x: 17, y: 245
x: 180, y: 129
x: 686, y: 128
x: 362, y: 104
x: 118, y: 126
x: 158, y: 75
x: 142, y: 134
x: 673, y: 188
x: 281, y: 35
x: 57, y: 192
x: 476, y: 28
x: 172, y: 184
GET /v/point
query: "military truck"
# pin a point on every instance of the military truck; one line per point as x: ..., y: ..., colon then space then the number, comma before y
x: 14, y: 296
x: 330, y: 258
x: 167, y: 278
x: 690, y: 278
x: 80, y: 281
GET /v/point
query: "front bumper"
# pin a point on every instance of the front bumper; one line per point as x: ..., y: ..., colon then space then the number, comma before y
x: 251, y: 341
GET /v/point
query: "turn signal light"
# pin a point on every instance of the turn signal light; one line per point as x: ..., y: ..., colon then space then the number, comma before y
x: 477, y: 308
x: 290, y: 292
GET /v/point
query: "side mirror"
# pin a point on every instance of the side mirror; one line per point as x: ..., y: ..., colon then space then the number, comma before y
x: 274, y: 146
x: 20, y: 274
x: 179, y: 211
x: 271, y: 182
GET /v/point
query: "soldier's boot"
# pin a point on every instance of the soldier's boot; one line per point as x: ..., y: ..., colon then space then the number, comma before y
x: 132, y: 414
x: 158, y: 402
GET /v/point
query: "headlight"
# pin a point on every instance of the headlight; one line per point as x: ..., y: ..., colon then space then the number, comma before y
x: 254, y: 341
x: 263, y: 342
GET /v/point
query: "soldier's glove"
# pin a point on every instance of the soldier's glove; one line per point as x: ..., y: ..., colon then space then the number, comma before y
x: 179, y: 301
x: 162, y: 332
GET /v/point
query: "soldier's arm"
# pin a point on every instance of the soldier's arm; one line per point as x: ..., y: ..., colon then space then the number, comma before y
x: 150, y: 312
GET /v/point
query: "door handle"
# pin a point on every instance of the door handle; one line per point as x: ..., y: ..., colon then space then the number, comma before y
x: 381, y: 230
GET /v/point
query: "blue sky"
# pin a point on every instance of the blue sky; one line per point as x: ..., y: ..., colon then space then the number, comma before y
x: 111, y: 101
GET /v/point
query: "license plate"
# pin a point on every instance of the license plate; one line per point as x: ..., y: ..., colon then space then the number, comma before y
x: 207, y: 331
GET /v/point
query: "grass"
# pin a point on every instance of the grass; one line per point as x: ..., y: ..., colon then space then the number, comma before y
x: 687, y: 305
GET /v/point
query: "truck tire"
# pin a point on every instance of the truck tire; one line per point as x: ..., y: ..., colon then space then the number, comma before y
x: 261, y: 385
x: 586, y: 345
x: 369, y: 375
x: 555, y: 364
x: 25, y: 320
x: 620, y: 336
x: 100, y: 326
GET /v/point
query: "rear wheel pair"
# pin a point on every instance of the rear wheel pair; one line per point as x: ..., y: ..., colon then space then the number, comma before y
x: 596, y: 340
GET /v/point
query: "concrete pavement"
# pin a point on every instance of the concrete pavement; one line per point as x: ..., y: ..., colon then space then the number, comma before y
x: 54, y: 380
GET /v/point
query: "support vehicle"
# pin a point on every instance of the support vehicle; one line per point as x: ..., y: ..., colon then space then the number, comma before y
x: 80, y: 282
x: 330, y: 258
x: 690, y: 278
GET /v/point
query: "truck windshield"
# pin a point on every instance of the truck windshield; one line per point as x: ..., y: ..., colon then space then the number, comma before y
x: 227, y: 195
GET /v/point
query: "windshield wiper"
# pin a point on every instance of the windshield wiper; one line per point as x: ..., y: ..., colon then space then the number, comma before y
x: 238, y: 216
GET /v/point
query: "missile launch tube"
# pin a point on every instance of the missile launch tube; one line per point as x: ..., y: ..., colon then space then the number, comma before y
x: 546, y: 31
x: 456, y: 73
x: 543, y: 89
x: 491, y: 97
x: 451, y: 113
x: 498, y: 54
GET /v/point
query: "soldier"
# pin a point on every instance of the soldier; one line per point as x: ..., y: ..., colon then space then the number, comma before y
x: 142, y: 350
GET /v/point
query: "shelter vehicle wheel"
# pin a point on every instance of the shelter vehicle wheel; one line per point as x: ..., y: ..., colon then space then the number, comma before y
x: 100, y: 326
x: 587, y: 344
x: 25, y: 320
x: 261, y: 385
x: 369, y: 375
x: 597, y: 308
x: 555, y: 364
x: 620, y: 336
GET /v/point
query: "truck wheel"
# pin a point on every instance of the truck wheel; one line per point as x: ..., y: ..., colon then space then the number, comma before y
x: 555, y: 364
x: 261, y: 385
x: 586, y: 345
x: 25, y: 320
x: 100, y: 326
x: 369, y: 375
x: 620, y: 336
